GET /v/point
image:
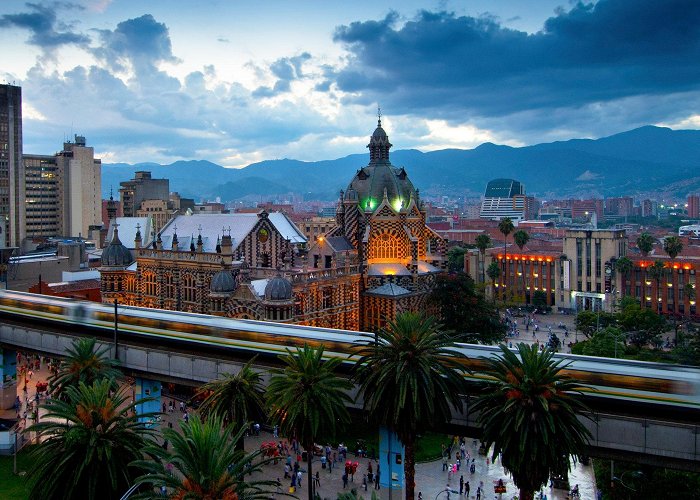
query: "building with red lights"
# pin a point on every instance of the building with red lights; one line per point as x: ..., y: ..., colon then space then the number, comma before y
x: 694, y: 206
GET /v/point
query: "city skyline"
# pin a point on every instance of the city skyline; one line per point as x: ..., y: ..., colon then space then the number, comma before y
x: 239, y: 83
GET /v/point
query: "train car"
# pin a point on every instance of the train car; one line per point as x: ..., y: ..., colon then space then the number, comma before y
x: 628, y: 384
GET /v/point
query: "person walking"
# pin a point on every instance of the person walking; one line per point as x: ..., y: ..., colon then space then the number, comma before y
x: 466, y: 489
x: 317, y: 480
x: 345, y: 480
x: 461, y: 484
x: 299, y: 475
x: 376, y: 478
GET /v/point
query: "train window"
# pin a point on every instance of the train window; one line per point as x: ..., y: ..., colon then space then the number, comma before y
x: 79, y: 313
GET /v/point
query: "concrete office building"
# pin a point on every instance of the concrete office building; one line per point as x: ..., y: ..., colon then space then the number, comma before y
x: 11, y: 167
x: 62, y: 193
x: 142, y: 187
x: 506, y: 198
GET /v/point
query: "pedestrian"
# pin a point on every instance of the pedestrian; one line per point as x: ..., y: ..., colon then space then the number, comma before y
x: 317, y: 480
x: 461, y: 485
x: 287, y: 470
x: 299, y: 478
x: 376, y: 478
x: 478, y: 493
x: 345, y: 480
x: 163, y: 406
x: 364, y: 482
x: 274, y: 432
x: 186, y: 417
x: 444, y: 462
x: 466, y: 489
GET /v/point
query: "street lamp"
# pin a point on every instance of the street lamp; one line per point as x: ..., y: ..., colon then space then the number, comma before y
x: 635, y: 474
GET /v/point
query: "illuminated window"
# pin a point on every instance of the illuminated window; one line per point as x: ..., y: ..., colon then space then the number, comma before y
x: 386, y: 246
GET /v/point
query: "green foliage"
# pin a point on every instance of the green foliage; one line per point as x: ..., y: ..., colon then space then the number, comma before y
x: 410, y: 377
x: 648, y: 481
x: 14, y: 487
x: 88, y: 442
x: 539, y: 300
x: 525, y: 407
x: 588, y: 322
x: 237, y: 398
x: 465, y: 311
x: 643, y: 324
x: 673, y: 246
x: 645, y: 242
x: 493, y: 271
x: 308, y: 400
x: 455, y: 259
x: 205, y: 462
x: 483, y: 241
x: 84, y: 363
x: 607, y: 343
x: 521, y: 237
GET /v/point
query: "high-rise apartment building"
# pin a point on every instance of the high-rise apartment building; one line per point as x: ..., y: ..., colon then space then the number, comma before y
x: 694, y: 206
x: 11, y: 167
x: 63, y: 192
x: 648, y: 208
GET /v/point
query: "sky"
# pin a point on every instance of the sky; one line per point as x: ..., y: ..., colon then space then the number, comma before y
x: 236, y: 81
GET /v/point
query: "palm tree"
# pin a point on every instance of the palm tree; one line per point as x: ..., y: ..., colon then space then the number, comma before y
x: 673, y: 246
x: 505, y: 227
x: 205, y: 462
x: 85, y: 363
x: 624, y: 266
x: 528, y: 413
x: 656, y: 271
x: 410, y: 377
x: 494, y: 272
x: 521, y: 237
x: 88, y: 442
x: 483, y: 241
x: 307, y: 399
x: 236, y: 399
x: 645, y: 243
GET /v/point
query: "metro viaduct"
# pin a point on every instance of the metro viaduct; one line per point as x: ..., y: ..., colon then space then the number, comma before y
x: 615, y: 434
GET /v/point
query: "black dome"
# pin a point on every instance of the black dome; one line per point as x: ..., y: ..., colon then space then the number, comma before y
x: 278, y: 288
x: 116, y: 254
x: 223, y: 282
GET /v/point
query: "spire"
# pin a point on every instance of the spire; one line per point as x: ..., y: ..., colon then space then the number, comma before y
x: 111, y: 207
x: 137, y: 238
x: 379, y: 144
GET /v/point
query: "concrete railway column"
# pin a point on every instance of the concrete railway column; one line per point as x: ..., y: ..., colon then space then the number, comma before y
x: 8, y: 377
x: 145, y: 388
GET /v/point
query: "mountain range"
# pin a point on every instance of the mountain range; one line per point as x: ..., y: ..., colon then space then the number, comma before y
x: 649, y: 161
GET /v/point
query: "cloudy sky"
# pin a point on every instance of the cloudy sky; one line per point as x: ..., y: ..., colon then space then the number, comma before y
x: 236, y: 82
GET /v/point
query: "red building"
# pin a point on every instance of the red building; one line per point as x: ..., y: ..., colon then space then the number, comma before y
x: 694, y: 206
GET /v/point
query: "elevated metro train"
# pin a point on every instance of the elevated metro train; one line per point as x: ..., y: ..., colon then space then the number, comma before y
x: 636, y: 384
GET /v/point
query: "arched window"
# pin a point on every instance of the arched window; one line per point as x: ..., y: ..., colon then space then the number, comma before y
x: 150, y: 285
x: 385, y: 246
x: 188, y: 288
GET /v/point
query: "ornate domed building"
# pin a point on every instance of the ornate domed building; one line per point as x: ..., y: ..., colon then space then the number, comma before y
x: 381, y: 222
x: 380, y: 259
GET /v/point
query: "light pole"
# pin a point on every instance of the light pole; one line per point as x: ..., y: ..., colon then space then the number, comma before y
x: 116, y: 331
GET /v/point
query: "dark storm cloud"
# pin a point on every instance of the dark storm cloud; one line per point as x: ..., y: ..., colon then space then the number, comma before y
x: 451, y: 65
x: 142, y: 41
x: 46, y: 31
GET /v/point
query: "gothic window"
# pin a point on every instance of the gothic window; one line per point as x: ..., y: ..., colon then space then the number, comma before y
x: 149, y: 283
x: 169, y: 286
x: 386, y: 246
x: 188, y: 288
x: 327, y: 298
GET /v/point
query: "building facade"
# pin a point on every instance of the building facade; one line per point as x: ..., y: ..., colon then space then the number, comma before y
x: 62, y: 193
x: 505, y: 198
x: 12, y: 195
x: 379, y: 259
x: 694, y: 206
x: 142, y: 187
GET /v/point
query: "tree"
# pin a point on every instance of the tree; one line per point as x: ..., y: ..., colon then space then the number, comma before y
x: 624, y: 266
x: 410, y: 376
x: 528, y: 412
x: 465, y: 311
x: 656, y: 272
x: 84, y: 363
x: 207, y: 464
x: 483, y: 241
x: 588, y: 322
x: 87, y: 443
x: 521, y: 237
x: 539, y: 300
x: 645, y: 243
x: 641, y: 323
x: 455, y: 259
x: 505, y: 226
x: 308, y: 400
x: 235, y: 399
x: 605, y: 343
x: 494, y: 272
x: 673, y: 246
